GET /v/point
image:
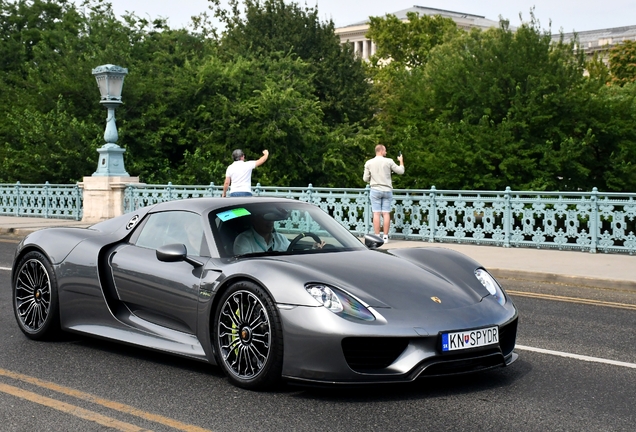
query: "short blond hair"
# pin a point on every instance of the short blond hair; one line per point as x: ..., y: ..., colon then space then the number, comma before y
x: 379, y: 148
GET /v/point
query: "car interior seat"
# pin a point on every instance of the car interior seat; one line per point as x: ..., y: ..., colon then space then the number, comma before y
x: 228, y: 231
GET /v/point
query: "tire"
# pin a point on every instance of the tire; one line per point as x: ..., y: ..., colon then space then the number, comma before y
x: 35, y: 301
x: 248, y: 337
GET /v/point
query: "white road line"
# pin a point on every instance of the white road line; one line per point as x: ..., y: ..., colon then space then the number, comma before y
x: 577, y: 356
x: 5, y: 268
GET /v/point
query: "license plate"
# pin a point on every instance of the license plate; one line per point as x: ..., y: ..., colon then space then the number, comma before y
x: 470, y: 339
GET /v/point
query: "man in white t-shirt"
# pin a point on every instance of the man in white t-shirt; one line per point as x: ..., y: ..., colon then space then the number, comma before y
x: 260, y: 237
x: 238, y: 176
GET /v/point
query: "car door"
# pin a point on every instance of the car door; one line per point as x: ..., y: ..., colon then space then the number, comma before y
x: 164, y: 293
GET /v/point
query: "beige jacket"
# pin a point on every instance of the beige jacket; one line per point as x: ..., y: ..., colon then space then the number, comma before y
x: 377, y: 172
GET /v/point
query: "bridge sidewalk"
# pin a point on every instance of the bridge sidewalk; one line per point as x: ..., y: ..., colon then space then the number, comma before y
x: 613, y: 271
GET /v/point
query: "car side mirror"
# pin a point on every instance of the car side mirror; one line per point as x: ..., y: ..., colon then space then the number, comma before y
x: 174, y: 253
x: 373, y: 241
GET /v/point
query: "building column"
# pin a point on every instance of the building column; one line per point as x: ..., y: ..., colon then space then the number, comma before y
x: 365, y: 49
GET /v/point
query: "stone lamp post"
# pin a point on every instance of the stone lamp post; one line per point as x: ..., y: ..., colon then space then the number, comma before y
x: 104, y: 190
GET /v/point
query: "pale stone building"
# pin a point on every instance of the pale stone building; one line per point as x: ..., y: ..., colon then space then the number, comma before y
x: 355, y: 34
x: 600, y: 41
x: 591, y: 41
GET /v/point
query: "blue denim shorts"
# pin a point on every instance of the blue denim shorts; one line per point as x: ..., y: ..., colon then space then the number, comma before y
x: 240, y: 194
x: 381, y: 201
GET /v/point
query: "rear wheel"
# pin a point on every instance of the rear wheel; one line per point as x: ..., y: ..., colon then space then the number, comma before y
x: 35, y: 301
x: 248, y: 336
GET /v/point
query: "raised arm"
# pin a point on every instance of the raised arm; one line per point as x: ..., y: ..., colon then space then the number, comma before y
x: 263, y: 158
x: 399, y: 169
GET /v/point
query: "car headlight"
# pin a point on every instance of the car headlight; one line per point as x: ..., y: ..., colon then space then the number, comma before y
x: 491, y: 285
x: 339, y: 302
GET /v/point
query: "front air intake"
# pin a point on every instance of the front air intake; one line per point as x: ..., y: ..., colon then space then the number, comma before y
x: 364, y: 354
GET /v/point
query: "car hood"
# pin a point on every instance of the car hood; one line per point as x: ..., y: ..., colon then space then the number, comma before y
x: 383, y: 280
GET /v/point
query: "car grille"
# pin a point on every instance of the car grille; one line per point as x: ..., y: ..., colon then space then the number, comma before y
x: 508, y: 337
x: 365, y: 354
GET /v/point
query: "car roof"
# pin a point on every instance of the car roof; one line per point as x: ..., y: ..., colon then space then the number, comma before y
x: 201, y: 205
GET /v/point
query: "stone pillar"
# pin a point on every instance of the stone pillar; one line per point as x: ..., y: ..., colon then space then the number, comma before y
x: 104, y: 197
x: 365, y: 49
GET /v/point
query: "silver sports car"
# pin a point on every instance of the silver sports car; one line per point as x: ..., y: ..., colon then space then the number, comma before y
x: 268, y: 289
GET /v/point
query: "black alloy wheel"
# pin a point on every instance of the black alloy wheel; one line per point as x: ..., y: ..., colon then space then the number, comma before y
x: 35, y: 301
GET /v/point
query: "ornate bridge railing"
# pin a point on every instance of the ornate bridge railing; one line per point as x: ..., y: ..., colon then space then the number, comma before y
x: 586, y: 221
x: 41, y: 200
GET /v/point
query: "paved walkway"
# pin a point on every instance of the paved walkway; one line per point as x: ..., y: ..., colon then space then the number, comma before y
x: 615, y: 271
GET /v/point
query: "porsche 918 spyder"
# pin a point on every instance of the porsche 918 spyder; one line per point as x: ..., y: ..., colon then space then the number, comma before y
x: 268, y: 289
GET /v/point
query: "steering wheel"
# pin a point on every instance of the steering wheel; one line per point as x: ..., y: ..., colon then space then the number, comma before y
x: 300, y: 237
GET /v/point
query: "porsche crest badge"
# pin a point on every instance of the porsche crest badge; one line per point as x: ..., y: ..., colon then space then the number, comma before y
x: 436, y: 299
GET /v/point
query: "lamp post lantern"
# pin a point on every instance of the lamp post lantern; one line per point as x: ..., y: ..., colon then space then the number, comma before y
x: 110, y: 80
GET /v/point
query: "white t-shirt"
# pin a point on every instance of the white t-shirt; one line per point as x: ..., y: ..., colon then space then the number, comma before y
x: 251, y: 242
x: 240, y: 174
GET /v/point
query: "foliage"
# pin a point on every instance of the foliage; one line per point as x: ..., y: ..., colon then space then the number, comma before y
x: 190, y: 96
x: 273, y: 26
x: 622, y: 62
x: 498, y: 108
x: 597, y: 69
x: 469, y: 110
x: 409, y: 43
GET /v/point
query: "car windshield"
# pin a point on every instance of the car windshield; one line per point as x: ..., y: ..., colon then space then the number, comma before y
x: 278, y: 227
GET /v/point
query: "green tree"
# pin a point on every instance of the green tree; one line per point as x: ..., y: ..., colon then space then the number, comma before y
x: 597, y: 69
x: 51, y: 81
x: 409, y: 43
x: 622, y: 62
x: 255, y: 104
x: 272, y: 26
x: 498, y: 108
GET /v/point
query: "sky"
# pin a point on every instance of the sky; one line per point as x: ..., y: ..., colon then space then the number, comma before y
x: 568, y: 15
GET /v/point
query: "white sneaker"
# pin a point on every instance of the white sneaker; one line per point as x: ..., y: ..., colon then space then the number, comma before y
x: 385, y: 238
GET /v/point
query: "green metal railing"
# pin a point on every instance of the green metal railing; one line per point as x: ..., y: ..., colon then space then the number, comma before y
x: 37, y: 200
x: 586, y: 221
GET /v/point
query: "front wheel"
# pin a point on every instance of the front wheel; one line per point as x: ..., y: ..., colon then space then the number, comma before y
x: 35, y: 301
x: 248, y: 336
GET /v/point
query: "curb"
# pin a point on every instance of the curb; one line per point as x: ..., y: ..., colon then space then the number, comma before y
x: 8, y: 231
x: 563, y: 279
x: 21, y: 232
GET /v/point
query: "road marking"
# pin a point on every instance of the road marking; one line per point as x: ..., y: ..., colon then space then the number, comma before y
x: 70, y: 409
x: 5, y: 268
x: 573, y: 300
x: 577, y: 356
x: 127, y: 409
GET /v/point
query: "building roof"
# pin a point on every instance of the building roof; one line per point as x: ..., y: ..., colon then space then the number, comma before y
x: 467, y: 19
x: 592, y: 40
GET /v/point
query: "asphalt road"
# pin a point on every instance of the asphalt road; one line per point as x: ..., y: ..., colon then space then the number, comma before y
x: 90, y: 385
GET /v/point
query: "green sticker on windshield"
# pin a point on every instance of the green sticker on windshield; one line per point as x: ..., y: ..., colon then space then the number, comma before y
x: 233, y: 213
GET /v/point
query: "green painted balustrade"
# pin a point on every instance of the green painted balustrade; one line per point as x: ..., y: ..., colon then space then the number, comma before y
x: 585, y: 221
x: 54, y: 201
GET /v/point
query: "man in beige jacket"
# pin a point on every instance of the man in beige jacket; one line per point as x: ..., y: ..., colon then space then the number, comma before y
x: 377, y: 172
